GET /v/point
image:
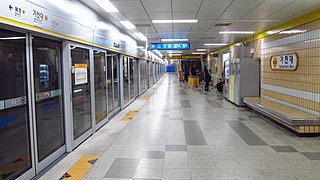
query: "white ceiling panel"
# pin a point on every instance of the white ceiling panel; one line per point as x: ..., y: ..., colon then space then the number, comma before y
x: 184, y: 15
x: 217, y: 28
x: 201, y: 26
x: 196, y: 35
x: 179, y: 35
x: 136, y: 16
x: 209, y: 15
x: 186, y: 5
x: 233, y: 15
x: 273, y: 5
x: 244, y: 5
x: 124, y: 6
x: 119, y: 16
x: 182, y: 25
x: 160, y: 15
x: 256, y: 15
x: 177, y: 29
x: 215, y: 5
x: 157, y: 5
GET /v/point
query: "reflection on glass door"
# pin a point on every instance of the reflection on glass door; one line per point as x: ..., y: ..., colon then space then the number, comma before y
x: 115, y: 77
x: 109, y: 83
x: 132, y: 77
x: 81, y: 100
x: 14, y: 112
x: 126, y: 79
x: 48, y: 93
x: 100, y: 85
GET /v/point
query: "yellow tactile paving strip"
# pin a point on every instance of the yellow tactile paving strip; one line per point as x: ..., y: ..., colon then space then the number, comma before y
x: 129, y: 116
x: 80, y: 168
x: 146, y: 98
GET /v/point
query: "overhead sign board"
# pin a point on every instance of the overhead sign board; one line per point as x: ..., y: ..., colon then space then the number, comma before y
x: 170, y: 46
x: 284, y: 62
x: 185, y: 57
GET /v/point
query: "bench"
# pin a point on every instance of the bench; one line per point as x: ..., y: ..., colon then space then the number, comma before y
x: 299, y: 122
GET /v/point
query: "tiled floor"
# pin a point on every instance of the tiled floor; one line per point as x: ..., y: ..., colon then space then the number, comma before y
x: 183, y: 133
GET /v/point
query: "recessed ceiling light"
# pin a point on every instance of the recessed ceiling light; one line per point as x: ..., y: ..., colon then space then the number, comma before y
x: 140, y: 47
x: 176, y: 54
x: 292, y: 31
x: 175, y: 21
x: 215, y: 44
x: 127, y: 24
x: 199, y: 53
x: 236, y: 32
x: 141, y: 36
x: 170, y: 40
x: 237, y: 44
x: 201, y: 49
x: 12, y: 38
x: 106, y: 5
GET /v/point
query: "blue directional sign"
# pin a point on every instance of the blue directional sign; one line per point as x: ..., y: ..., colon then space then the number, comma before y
x: 170, y: 46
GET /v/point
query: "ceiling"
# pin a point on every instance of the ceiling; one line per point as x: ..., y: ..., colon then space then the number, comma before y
x: 242, y: 15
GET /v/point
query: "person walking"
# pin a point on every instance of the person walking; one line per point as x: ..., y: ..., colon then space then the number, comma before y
x: 207, y: 79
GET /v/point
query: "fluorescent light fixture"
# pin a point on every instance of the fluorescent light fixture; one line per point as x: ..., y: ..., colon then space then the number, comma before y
x: 140, y: 47
x: 201, y: 49
x: 106, y: 5
x: 292, y: 31
x: 176, y: 54
x: 127, y: 24
x: 101, y: 25
x: 141, y: 36
x: 236, y: 32
x: 237, y: 44
x: 199, y: 53
x: 272, y: 32
x: 12, y: 38
x: 170, y: 40
x: 215, y: 44
x: 174, y: 21
x: 211, y: 53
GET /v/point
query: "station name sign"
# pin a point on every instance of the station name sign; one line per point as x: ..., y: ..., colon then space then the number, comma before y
x: 284, y: 62
x: 185, y: 57
x: 170, y: 46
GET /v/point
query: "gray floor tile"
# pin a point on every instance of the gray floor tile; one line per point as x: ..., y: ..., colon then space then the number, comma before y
x: 214, y: 104
x: 185, y: 104
x: 125, y: 163
x: 193, y: 133
x: 284, y: 149
x: 176, y: 148
x: 312, y: 155
x: 153, y: 155
x: 121, y: 173
x: 152, y: 173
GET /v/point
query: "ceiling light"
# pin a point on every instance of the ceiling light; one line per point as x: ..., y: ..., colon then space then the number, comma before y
x: 127, y: 24
x: 238, y: 44
x: 176, y: 54
x: 211, y: 53
x: 201, y: 49
x: 236, y: 32
x: 215, y: 44
x: 12, y: 38
x: 106, y: 5
x: 175, y: 21
x: 198, y: 53
x: 272, y: 32
x: 141, y: 36
x: 292, y: 31
x: 169, y: 40
x: 140, y: 47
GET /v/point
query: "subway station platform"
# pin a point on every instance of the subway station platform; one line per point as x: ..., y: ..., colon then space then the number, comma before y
x: 176, y: 132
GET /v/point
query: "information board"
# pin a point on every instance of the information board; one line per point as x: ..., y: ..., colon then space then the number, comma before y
x: 170, y: 46
x: 80, y: 74
x: 285, y: 62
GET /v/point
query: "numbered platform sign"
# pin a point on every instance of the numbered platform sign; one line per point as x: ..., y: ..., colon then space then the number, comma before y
x: 284, y: 62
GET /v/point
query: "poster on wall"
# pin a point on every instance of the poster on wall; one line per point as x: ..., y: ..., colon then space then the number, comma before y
x: 80, y: 74
x: 284, y: 62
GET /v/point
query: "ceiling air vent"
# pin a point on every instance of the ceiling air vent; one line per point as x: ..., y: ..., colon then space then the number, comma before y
x: 222, y: 24
x: 142, y: 25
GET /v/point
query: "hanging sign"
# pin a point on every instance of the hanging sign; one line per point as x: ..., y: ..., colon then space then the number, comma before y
x: 170, y: 46
x: 80, y: 74
x: 185, y: 57
x: 284, y: 62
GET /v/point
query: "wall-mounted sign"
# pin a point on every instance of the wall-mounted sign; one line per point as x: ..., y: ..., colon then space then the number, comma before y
x: 170, y: 46
x: 284, y: 62
x: 80, y: 74
x: 185, y: 57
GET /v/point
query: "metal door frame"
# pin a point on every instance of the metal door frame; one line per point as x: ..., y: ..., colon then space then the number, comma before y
x: 95, y: 125
x: 115, y: 109
x: 59, y: 152
x: 70, y: 141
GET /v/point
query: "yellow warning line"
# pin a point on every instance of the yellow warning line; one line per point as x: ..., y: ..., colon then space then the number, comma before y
x: 129, y: 116
x: 146, y: 98
x: 81, y: 167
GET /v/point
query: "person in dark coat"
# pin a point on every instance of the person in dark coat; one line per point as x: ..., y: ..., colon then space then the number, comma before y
x: 207, y: 79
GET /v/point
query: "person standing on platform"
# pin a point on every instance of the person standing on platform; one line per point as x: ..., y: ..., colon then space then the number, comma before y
x: 207, y: 79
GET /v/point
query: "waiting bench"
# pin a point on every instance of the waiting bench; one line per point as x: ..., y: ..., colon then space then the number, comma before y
x: 299, y: 122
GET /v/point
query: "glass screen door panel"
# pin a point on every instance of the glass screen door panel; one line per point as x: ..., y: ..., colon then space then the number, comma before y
x: 126, y: 79
x: 14, y: 112
x: 109, y: 82
x: 132, y: 77
x: 100, y: 85
x: 81, y: 100
x: 48, y: 93
x: 115, y: 71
